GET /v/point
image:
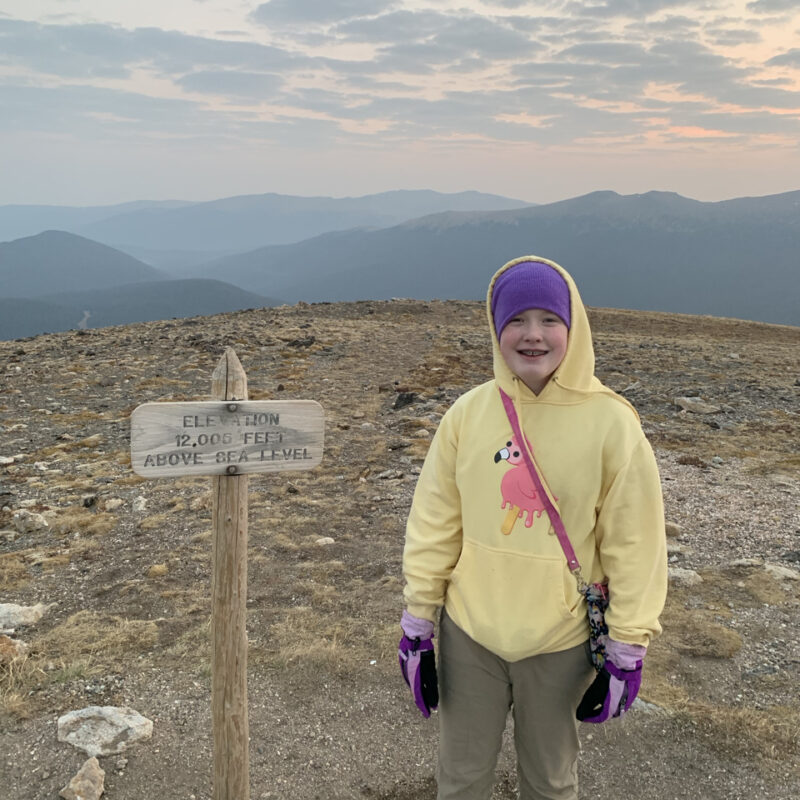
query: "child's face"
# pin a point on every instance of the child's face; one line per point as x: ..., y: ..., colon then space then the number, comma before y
x: 533, y: 344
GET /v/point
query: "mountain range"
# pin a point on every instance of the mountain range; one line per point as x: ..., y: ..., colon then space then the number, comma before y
x: 654, y: 251
x: 177, y: 236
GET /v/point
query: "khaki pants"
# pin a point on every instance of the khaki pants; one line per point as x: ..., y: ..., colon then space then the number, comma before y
x: 477, y: 689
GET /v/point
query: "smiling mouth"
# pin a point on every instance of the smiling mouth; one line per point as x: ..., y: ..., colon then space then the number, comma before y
x: 532, y: 353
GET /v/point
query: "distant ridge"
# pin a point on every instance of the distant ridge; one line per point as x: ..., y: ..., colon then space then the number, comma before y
x: 18, y: 221
x: 56, y: 281
x: 144, y: 302
x: 55, y: 261
x: 170, y: 234
x: 121, y: 305
x: 21, y: 317
x: 656, y: 251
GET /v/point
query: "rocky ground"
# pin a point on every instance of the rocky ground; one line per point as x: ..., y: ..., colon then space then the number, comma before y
x: 124, y: 563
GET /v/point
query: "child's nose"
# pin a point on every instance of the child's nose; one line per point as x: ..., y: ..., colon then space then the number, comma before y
x: 533, y: 331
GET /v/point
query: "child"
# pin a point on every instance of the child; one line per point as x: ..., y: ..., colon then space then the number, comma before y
x: 513, y: 631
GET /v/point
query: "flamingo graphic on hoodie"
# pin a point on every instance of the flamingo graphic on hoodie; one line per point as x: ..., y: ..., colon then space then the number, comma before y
x: 519, y: 493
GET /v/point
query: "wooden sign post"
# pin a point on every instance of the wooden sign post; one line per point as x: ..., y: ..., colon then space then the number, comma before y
x: 227, y: 439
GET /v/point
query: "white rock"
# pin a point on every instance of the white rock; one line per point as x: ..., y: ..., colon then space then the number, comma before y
x: 782, y: 573
x: 13, y: 616
x: 645, y: 707
x: 6, y: 461
x: 113, y: 503
x: 27, y: 522
x: 674, y: 547
x: 745, y: 562
x: 684, y: 577
x: 325, y: 540
x: 103, y: 730
x: 88, y: 784
x: 695, y: 405
x: 140, y: 503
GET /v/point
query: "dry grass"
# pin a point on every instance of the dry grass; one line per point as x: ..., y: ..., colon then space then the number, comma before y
x: 85, y: 644
x: 77, y: 519
x: 193, y: 647
x: 78, y: 417
x: 772, y: 733
x: 103, y: 637
x: 746, y: 585
x: 176, y: 503
x: 155, y: 522
x: 309, y: 644
x: 13, y: 571
x: 15, y: 679
x: 160, y: 382
x: 130, y: 480
x: 692, y: 631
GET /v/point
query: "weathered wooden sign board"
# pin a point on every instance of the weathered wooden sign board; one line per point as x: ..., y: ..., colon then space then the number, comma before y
x: 226, y: 437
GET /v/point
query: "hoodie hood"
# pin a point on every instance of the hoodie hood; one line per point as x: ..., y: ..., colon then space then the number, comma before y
x: 574, y: 377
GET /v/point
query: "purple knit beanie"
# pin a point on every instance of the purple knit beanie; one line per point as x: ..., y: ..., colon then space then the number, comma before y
x: 529, y: 284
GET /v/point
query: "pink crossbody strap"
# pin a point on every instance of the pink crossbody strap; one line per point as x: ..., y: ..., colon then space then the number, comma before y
x: 552, y: 511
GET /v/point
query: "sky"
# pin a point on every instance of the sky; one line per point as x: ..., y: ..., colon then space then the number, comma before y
x: 104, y: 102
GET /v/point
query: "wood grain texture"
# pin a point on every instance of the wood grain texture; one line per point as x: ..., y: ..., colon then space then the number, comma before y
x: 228, y: 615
x: 219, y: 438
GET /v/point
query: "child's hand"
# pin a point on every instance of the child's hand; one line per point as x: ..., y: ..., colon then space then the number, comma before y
x: 418, y: 662
x: 616, y: 685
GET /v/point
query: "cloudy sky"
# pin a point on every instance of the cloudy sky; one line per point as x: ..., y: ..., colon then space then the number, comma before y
x: 105, y: 102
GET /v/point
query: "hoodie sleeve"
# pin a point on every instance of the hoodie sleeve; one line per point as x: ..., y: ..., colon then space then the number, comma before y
x: 433, y: 530
x: 633, y: 550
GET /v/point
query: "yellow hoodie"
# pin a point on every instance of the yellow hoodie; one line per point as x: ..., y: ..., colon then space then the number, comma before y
x: 513, y: 593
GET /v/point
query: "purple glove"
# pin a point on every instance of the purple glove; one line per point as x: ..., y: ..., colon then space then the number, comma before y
x: 616, y: 685
x: 418, y: 661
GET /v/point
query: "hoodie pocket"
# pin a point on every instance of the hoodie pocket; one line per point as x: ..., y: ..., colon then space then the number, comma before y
x: 517, y: 602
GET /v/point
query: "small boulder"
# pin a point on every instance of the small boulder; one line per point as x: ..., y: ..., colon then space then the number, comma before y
x: 14, y: 616
x: 684, y: 577
x: 695, y: 405
x: 782, y: 573
x: 88, y: 784
x: 27, y: 522
x: 324, y: 541
x: 646, y: 708
x: 103, y: 730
